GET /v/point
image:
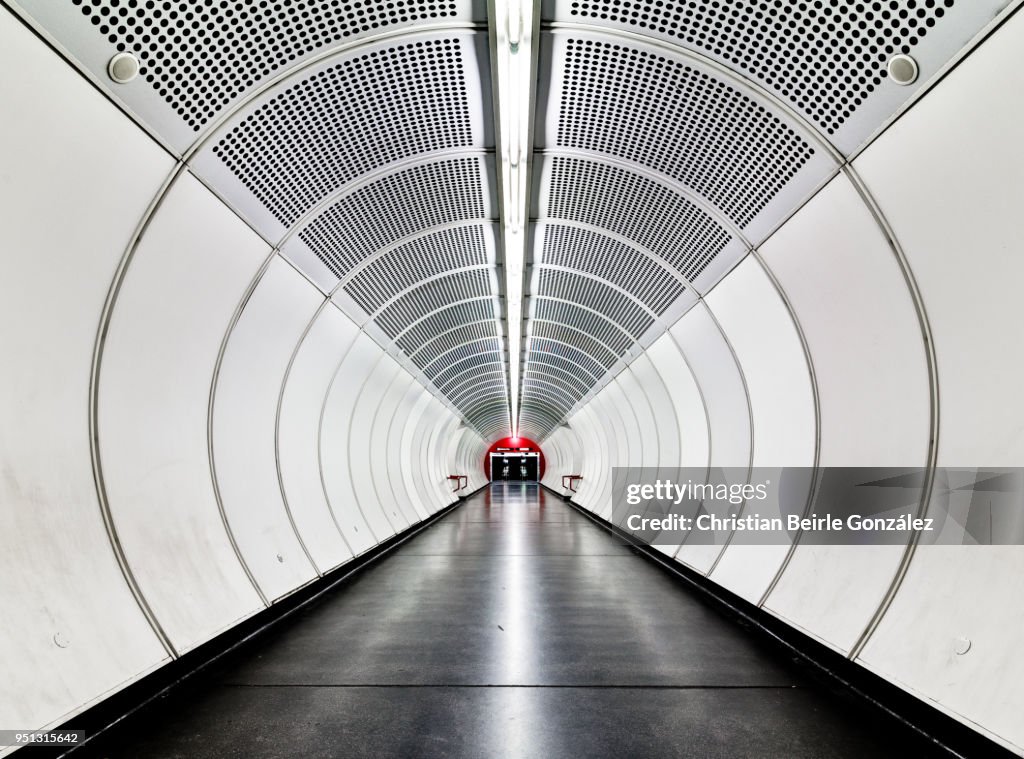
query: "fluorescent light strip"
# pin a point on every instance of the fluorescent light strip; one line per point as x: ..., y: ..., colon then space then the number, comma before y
x: 513, y: 23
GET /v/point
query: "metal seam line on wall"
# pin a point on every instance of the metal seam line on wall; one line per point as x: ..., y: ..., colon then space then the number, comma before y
x: 277, y: 418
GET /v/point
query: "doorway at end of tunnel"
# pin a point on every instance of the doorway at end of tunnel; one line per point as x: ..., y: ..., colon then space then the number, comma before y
x: 514, y: 458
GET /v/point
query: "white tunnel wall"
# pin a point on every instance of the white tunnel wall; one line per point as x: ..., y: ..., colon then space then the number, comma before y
x: 235, y: 435
x: 243, y: 432
x: 159, y: 358
x: 328, y: 533
x: 947, y: 178
x: 964, y: 247
x: 76, y: 619
x: 102, y: 576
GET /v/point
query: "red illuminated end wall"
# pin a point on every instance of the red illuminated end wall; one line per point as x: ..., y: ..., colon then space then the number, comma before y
x: 513, y: 442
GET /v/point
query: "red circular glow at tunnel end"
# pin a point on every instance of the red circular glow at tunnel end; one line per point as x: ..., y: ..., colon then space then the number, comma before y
x: 513, y: 442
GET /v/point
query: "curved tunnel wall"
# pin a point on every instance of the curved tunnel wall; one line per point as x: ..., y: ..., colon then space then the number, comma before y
x: 811, y: 351
x: 249, y: 436
x: 875, y: 326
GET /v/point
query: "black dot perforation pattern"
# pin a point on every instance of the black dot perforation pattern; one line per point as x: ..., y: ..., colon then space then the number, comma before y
x: 584, y: 343
x: 427, y: 353
x: 473, y: 385
x: 393, y: 207
x: 431, y: 296
x: 558, y: 384
x: 199, y: 55
x: 455, y: 315
x: 547, y: 363
x: 490, y: 417
x: 459, y: 353
x: 543, y: 346
x: 480, y: 360
x: 486, y: 405
x: 360, y: 114
x: 631, y: 205
x: 586, y: 251
x: 596, y: 295
x: 678, y: 120
x: 547, y: 405
x: 824, y: 57
x: 555, y: 404
x: 414, y: 261
x: 598, y: 327
x: 467, y: 390
x: 535, y: 423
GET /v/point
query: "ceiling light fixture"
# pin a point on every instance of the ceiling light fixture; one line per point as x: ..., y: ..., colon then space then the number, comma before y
x: 512, y: 23
x: 902, y: 69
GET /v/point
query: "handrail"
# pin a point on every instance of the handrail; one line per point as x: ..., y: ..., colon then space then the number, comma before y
x: 570, y: 478
x: 460, y: 478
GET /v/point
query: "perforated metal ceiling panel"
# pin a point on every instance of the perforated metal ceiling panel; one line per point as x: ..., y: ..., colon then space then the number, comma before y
x: 393, y: 207
x: 202, y: 58
x: 826, y: 60
x: 316, y: 136
x: 405, y: 266
x: 652, y: 215
x: 682, y: 120
x: 671, y: 137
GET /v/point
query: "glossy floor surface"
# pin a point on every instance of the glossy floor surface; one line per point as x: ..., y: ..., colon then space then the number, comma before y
x: 512, y: 627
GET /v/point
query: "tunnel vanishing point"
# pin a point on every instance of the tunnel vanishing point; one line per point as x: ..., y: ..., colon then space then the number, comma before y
x: 354, y: 355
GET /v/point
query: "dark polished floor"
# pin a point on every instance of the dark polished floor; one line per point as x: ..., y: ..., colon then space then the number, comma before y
x: 512, y: 627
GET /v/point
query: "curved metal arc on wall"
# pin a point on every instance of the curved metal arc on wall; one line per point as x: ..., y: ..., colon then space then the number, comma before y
x: 933, y: 380
x: 214, y: 128
x: 277, y: 426
x: 214, y: 381
x: 369, y: 442
x: 777, y: 104
x: 320, y: 434
x: 96, y: 460
x: 773, y: 104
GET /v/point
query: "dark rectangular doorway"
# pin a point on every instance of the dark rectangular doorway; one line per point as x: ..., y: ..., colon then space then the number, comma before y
x: 515, y: 466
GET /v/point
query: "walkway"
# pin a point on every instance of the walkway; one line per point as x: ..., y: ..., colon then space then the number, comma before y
x: 513, y: 627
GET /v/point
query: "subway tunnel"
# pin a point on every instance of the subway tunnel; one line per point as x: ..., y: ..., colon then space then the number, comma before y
x: 332, y: 330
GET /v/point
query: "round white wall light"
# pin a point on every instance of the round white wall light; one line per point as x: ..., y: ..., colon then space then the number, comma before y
x: 902, y: 69
x: 123, y: 67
